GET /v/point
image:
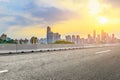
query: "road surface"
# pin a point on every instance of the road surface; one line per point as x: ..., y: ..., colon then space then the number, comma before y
x: 83, y: 64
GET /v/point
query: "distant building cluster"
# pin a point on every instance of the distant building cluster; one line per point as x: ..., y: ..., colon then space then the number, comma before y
x: 103, y: 38
x: 22, y: 41
x: 51, y: 36
x: 73, y: 38
x: 43, y: 41
x: 95, y: 38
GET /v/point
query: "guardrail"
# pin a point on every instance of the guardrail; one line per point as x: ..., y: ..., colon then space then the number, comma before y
x: 27, y: 48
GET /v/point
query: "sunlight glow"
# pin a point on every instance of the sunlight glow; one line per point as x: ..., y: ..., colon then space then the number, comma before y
x: 103, y: 20
x: 94, y: 7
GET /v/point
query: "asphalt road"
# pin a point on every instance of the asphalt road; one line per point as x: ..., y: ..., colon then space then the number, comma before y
x: 83, y: 64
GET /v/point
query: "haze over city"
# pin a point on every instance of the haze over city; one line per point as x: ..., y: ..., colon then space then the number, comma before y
x: 23, y: 19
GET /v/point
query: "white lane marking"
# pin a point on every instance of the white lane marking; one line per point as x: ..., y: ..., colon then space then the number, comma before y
x: 3, y: 71
x: 102, y: 52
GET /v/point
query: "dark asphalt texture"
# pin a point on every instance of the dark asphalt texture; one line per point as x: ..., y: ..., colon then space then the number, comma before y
x: 83, y: 64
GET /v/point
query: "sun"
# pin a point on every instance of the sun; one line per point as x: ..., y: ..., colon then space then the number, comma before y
x: 103, y: 20
x: 94, y: 7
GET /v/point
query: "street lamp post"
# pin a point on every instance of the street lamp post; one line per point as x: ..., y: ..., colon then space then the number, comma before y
x: 16, y: 47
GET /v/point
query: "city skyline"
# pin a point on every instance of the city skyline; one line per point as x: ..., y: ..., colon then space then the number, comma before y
x: 94, y: 34
x: 52, y: 38
x: 28, y: 18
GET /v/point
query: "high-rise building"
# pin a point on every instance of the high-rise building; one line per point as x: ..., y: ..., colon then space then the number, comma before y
x: 48, y: 29
x: 68, y: 38
x: 78, y: 39
x: 107, y: 38
x: 56, y: 36
x: 82, y: 41
x: 103, y: 36
x: 98, y: 39
x: 94, y: 36
x: 26, y: 41
x: 73, y: 39
x: 22, y: 41
x: 52, y: 37
x: 43, y: 41
x: 113, y: 38
x: 49, y: 35
x: 89, y: 39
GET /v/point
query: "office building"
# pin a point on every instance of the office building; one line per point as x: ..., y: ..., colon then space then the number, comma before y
x: 43, y: 41
x: 52, y: 37
x: 68, y: 38
x: 73, y: 39
x: 78, y: 39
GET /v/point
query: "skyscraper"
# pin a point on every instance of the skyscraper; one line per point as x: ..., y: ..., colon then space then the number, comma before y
x: 113, y: 38
x: 73, y: 39
x: 78, y: 39
x: 98, y: 38
x: 89, y: 39
x: 48, y: 29
x: 94, y: 36
x: 52, y: 37
x: 68, y: 38
x: 102, y: 35
x: 56, y: 36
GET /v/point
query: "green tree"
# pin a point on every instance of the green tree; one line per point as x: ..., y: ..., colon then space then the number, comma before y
x: 63, y: 42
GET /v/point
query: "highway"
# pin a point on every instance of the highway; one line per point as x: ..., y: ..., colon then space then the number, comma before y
x: 80, y: 64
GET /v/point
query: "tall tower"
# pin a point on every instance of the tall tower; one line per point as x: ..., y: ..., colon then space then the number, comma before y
x: 48, y: 29
x: 78, y: 39
x: 49, y: 35
x: 113, y: 38
x: 98, y: 38
x: 94, y: 34
x: 102, y: 35
x: 68, y: 38
x: 73, y: 39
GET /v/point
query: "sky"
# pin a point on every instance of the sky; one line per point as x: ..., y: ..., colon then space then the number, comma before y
x: 27, y: 18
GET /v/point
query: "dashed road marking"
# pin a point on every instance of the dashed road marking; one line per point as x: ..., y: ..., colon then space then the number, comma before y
x: 102, y: 52
x: 3, y: 71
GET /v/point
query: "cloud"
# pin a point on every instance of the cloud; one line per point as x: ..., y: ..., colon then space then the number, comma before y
x: 21, y: 20
x: 63, y: 4
x: 53, y: 14
x: 28, y: 12
x: 114, y: 3
x: 4, y: 0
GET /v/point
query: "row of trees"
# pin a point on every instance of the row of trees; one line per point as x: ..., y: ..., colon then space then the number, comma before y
x: 5, y: 41
x: 63, y: 42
